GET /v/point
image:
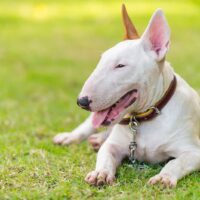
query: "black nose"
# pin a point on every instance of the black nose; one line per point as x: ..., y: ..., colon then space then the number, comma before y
x: 84, y: 103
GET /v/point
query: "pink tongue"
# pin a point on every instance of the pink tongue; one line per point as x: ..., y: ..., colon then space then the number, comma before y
x: 111, y: 113
x: 99, y: 117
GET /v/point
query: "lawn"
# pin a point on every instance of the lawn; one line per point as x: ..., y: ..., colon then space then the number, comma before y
x: 47, y: 50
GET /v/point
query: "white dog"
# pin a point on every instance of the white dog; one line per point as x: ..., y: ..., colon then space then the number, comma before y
x: 133, y: 80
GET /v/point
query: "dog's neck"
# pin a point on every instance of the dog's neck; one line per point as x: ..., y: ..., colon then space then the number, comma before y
x: 161, y: 85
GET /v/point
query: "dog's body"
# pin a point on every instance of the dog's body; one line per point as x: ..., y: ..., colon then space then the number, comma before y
x: 175, y: 133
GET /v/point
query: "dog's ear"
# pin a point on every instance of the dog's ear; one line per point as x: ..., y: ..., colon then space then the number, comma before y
x: 157, y: 35
x: 130, y: 30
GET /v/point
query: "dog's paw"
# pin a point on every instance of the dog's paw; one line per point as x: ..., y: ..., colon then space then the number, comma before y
x: 65, y: 139
x: 96, y: 140
x: 99, y: 178
x: 164, y: 179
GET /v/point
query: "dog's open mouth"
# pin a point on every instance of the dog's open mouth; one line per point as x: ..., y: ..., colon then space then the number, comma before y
x: 106, y: 116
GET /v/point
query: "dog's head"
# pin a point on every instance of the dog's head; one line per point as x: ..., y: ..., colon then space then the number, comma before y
x: 126, y: 73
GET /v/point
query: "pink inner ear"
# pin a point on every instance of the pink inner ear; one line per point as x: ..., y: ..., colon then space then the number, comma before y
x: 157, y: 35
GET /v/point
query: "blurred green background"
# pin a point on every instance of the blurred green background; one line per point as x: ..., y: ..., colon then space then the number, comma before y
x: 47, y: 50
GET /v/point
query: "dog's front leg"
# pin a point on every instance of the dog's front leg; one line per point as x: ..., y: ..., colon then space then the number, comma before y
x: 110, y: 155
x: 96, y: 140
x: 177, y: 168
x: 82, y: 132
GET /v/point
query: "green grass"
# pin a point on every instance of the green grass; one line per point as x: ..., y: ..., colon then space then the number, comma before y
x: 47, y: 50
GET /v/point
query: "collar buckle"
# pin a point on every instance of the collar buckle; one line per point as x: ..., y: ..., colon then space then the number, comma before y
x: 156, y: 110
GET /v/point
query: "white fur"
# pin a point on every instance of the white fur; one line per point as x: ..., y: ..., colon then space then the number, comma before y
x: 173, y: 134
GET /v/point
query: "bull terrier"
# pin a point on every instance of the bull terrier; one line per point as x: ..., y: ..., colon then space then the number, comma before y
x: 152, y: 114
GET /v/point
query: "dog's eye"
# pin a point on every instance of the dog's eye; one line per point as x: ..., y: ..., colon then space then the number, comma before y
x: 120, y: 66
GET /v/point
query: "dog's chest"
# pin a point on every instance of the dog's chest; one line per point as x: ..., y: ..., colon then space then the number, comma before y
x: 151, y: 146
